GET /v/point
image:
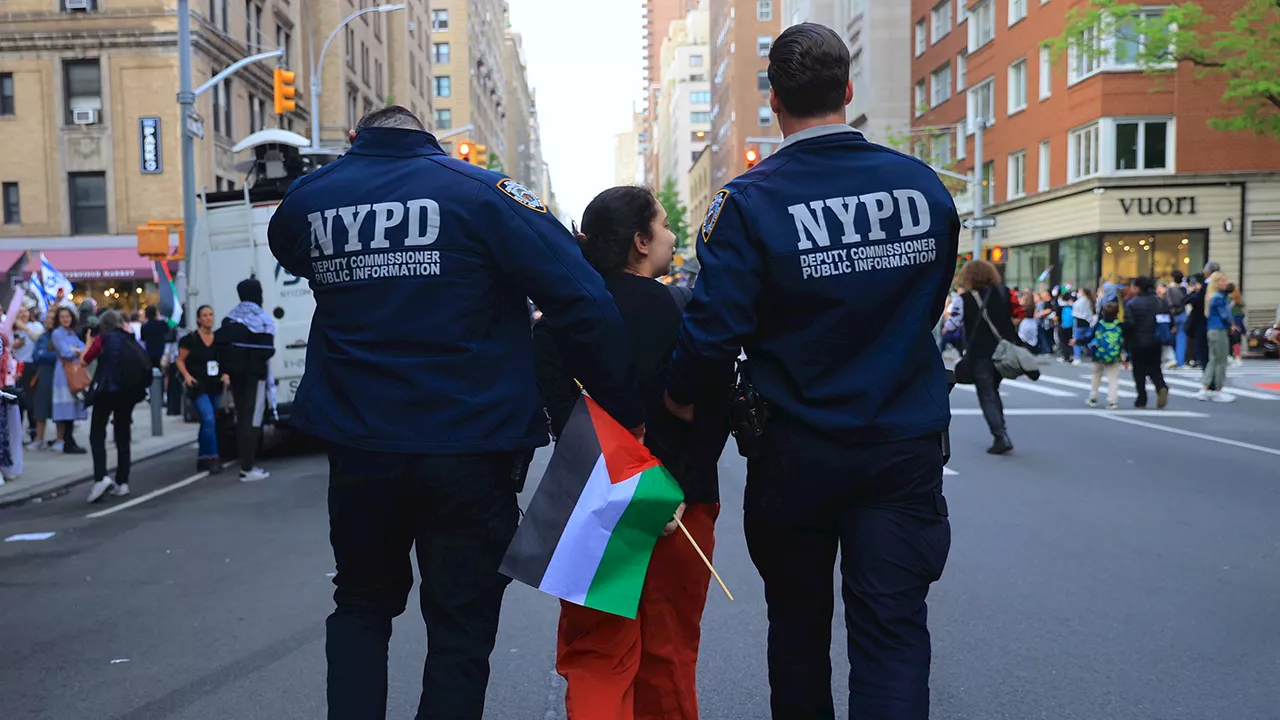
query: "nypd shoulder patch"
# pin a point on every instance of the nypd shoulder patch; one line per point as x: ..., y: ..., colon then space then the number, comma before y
x: 713, y: 214
x: 521, y: 194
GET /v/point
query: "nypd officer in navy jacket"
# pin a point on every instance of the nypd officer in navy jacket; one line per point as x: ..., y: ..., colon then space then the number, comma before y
x: 420, y: 378
x: 829, y: 263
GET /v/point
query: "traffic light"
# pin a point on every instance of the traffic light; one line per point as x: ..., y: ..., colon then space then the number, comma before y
x: 752, y: 157
x: 285, y: 91
x: 481, y: 156
x: 464, y: 151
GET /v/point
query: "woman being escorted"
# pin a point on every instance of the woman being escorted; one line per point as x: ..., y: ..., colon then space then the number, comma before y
x: 198, y: 365
x: 111, y: 401
x: 67, y: 406
x: 616, y: 668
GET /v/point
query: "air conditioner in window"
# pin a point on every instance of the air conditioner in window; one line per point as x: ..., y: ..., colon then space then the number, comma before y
x: 84, y: 117
x: 85, y: 5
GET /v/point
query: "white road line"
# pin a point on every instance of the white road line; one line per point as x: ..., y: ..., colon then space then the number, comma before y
x: 1085, y: 386
x: 948, y: 471
x: 149, y: 496
x: 1063, y: 412
x: 1172, y: 390
x: 972, y: 389
x: 1199, y: 436
x: 1032, y: 387
x: 1255, y: 394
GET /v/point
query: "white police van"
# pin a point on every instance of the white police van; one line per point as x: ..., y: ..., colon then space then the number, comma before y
x: 230, y: 245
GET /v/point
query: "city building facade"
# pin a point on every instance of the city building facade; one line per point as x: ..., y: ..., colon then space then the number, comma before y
x: 468, y: 40
x: 1092, y: 169
x: 406, y: 71
x: 878, y: 35
x: 627, y: 165
x: 742, y: 32
x: 684, y: 114
x: 658, y: 16
x: 699, y: 190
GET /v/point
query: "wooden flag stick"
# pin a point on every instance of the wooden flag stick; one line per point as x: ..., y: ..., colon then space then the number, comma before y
x: 703, y: 555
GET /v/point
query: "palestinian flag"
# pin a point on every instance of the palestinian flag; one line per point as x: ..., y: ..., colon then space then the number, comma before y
x: 589, y: 532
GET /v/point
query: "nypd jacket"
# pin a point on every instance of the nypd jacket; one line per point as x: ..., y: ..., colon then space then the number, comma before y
x: 421, y: 265
x: 829, y: 263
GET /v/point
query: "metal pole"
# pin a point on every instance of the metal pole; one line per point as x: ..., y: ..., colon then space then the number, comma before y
x: 187, y: 105
x: 318, y: 66
x: 157, y: 403
x: 979, y: 187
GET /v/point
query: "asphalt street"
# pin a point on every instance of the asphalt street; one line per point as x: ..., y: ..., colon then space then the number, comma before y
x: 1118, y: 565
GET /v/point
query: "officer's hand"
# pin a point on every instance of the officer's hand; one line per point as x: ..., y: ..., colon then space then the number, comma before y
x: 684, y: 412
x: 671, y: 526
x: 226, y: 380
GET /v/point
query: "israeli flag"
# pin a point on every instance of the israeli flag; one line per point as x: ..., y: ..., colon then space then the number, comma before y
x: 51, y: 281
x: 42, y: 302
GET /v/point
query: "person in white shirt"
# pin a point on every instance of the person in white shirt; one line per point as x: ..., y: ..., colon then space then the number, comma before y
x: 1083, y: 314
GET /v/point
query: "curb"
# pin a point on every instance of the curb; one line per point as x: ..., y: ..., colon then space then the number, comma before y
x: 60, y: 486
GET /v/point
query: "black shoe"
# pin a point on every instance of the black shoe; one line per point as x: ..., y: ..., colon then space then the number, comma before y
x: 215, y: 466
x: 1001, y: 446
x: 202, y: 464
x: 74, y: 450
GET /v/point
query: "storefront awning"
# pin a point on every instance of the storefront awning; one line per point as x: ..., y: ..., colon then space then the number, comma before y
x: 96, y: 264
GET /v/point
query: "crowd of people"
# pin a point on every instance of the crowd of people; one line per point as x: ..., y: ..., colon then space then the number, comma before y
x: 1149, y: 324
x: 79, y: 362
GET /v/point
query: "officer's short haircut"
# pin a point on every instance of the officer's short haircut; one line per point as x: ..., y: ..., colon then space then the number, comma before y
x: 1145, y: 283
x: 809, y: 70
x: 392, y: 116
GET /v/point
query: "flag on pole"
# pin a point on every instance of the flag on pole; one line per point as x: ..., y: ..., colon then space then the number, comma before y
x: 590, y: 530
x: 169, y: 292
x: 51, y: 281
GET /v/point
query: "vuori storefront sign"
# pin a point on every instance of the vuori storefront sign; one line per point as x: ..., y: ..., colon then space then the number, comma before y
x: 1159, y: 206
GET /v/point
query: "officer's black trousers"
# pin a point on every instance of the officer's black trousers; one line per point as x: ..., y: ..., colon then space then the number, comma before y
x: 458, y: 513
x: 881, y: 505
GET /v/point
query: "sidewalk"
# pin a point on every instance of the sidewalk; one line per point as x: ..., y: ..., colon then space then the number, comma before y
x: 46, y: 472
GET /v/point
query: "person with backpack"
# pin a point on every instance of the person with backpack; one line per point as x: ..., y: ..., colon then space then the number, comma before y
x: 1107, y: 348
x: 246, y: 342
x: 119, y: 383
x: 1066, y: 326
x: 985, y: 292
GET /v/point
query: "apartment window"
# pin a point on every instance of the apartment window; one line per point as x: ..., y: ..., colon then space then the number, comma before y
x: 764, y: 115
x: 353, y: 98
x: 364, y: 64
x: 1081, y: 65
x: 377, y: 25
x: 962, y: 11
x: 1082, y: 153
x: 989, y: 182
x: 1128, y: 42
x: 940, y: 85
x: 764, y: 43
x: 217, y: 105
x: 855, y: 67
x: 377, y: 80
x: 764, y: 10
x: 368, y: 107
x: 1018, y: 86
x: 443, y: 86
x: 6, y: 94
x: 413, y: 72
x: 440, y: 53
x: 350, y: 36
x: 762, y: 81
x: 12, y: 208
x: 1017, y: 174
x: 439, y: 20
x: 922, y: 41
x: 941, y: 156
x: 218, y: 14
x: 918, y: 150
x: 982, y: 103
x: 699, y: 117
x: 962, y: 70
x: 1043, y: 167
x: 1017, y: 11
x: 254, y: 109
x: 696, y: 61
x: 921, y: 99
x: 700, y: 97
x: 82, y: 83
x: 1142, y: 145
x: 88, y: 195
x: 444, y: 119
x: 228, y: 110
x: 253, y: 25
x: 284, y: 40
x: 940, y: 25
x: 983, y: 28
x: 1046, y: 73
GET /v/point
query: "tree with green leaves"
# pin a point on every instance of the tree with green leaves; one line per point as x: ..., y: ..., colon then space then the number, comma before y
x: 495, y: 163
x: 1244, y: 51
x: 677, y: 213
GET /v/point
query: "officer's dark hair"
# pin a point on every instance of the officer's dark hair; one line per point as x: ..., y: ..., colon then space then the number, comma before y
x: 392, y: 116
x: 1145, y: 283
x: 152, y: 313
x: 1110, y: 311
x: 1177, y: 276
x: 610, y: 224
x: 809, y: 70
x: 250, y: 291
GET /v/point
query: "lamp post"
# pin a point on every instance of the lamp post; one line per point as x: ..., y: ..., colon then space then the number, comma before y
x: 317, y: 68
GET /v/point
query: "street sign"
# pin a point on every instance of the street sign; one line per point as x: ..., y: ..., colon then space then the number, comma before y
x: 195, y: 125
x: 982, y: 223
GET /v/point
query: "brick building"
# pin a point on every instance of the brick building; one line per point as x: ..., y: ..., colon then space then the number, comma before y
x: 742, y: 33
x: 1093, y: 169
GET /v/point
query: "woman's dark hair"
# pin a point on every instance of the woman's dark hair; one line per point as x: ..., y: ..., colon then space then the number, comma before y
x: 250, y: 291
x: 610, y: 224
x: 201, y: 309
x: 979, y: 275
x: 57, y: 316
x: 152, y: 312
x: 1110, y: 311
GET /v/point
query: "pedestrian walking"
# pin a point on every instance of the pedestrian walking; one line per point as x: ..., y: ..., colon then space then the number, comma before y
x: 1143, y: 315
x: 119, y: 383
x: 953, y: 322
x: 1029, y: 325
x: 41, y: 396
x: 1106, y: 345
x: 1239, y: 324
x: 642, y: 668
x: 68, y: 407
x: 987, y: 299
x: 431, y: 419
x: 10, y: 411
x: 842, y: 356
x: 203, y: 378
x: 1217, y: 331
x: 246, y: 343
x: 1066, y: 326
x: 1176, y: 295
x: 152, y: 333
x: 1083, y: 315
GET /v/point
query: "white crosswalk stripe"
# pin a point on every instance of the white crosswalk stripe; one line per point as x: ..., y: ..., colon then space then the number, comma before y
x: 1032, y: 387
x: 1174, y: 391
x: 1255, y: 394
x: 1086, y: 386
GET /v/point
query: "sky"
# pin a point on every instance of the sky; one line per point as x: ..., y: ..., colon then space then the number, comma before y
x: 584, y: 60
